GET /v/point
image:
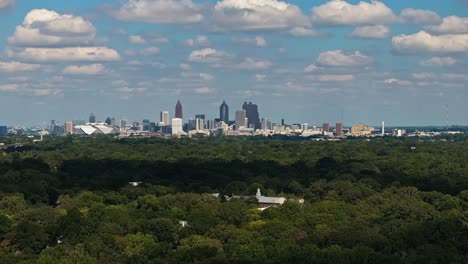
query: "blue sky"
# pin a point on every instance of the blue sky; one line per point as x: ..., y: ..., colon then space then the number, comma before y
x: 305, y: 61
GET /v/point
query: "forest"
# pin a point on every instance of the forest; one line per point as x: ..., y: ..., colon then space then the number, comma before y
x: 387, y: 200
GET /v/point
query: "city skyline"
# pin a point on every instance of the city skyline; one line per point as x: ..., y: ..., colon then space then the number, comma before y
x: 305, y: 61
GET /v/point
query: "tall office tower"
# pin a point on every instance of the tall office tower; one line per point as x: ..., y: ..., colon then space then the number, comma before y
x: 200, y: 122
x: 68, y: 128
x: 282, y: 121
x: 326, y: 127
x: 252, y: 114
x: 164, y: 118
x: 224, y: 112
x: 339, y: 129
x: 383, y: 128
x: 108, y: 121
x: 92, y: 118
x: 304, y: 127
x: 176, y: 126
x: 240, y: 119
x: 265, y: 124
x: 178, y: 110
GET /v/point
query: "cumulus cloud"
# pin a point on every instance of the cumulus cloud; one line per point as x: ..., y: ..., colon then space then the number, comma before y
x: 419, y: 16
x: 438, y: 62
x: 450, y: 25
x: 136, y: 39
x: 207, y: 55
x: 64, y: 54
x: 6, y: 3
x: 160, y: 11
x: 334, y: 77
x: 198, y: 41
x: 246, y: 15
x: 394, y: 81
x: 185, y: 67
x: 150, y: 51
x: 338, y: 58
x: 92, y: 69
x: 43, y: 27
x: 206, y: 77
x: 337, y: 12
x: 14, y: 66
x: 371, y: 32
x: 204, y: 90
x: 311, y: 68
x: 256, y: 41
x: 423, y: 42
x: 304, y: 32
x: 252, y: 64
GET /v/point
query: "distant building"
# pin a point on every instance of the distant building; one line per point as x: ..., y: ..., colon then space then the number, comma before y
x: 326, y: 127
x: 95, y: 129
x: 92, y: 118
x: 3, y: 130
x: 177, y: 126
x: 240, y: 119
x: 361, y: 130
x: 113, y: 121
x: 178, y: 110
x: 108, y: 121
x: 304, y: 127
x: 164, y: 118
x: 252, y: 114
x: 224, y: 112
x: 339, y: 129
x: 265, y: 202
x: 69, y: 128
x: 199, y: 124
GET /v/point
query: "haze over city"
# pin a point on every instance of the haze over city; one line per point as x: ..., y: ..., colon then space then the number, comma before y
x: 404, y: 62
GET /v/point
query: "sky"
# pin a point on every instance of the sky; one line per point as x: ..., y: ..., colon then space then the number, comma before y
x: 402, y: 62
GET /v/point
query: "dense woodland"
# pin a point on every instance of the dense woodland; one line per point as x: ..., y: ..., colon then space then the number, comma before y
x: 67, y: 200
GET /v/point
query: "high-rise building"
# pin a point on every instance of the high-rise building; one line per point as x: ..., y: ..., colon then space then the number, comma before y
x: 304, y: 127
x: 199, y: 122
x: 178, y: 110
x: 92, y: 118
x: 69, y: 128
x: 252, y: 114
x: 240, y: 119
x: 339, y: 129
x: 164, y: 118
x: 177, y: 126
x: 224, y: 112
x: 108, y: 121
x: 326, y: 127
x: 3, y: 130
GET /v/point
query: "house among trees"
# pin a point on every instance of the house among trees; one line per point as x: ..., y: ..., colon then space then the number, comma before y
x: 264, y: 201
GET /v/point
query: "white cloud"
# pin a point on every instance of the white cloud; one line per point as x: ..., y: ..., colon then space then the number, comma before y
x: 65, y: 54
x: 185, y: 67
x: 450, y: 25
x: 9, y: 87
x: 92, y: 69
x: 394, y: 81
x: 371, y: 32
x: 14, y: 66
x: 438, y: 62
x: 206, y: 77
x: 245, y: 15
x: 204, y: 90
x: 6, y: 3
x: 198, y: 41
x: 42, y: 27
x: 337, y: 12
x: 252, y: 64
x: 150, y: 51
x: 423, y: 42
x: 334, y: 77
x: 337, y: 58
x: 207, y: 55
x: 304, y: 32
x: 160, y: 11
x: 136, y: 39
x: 311, y: 68
x: 419, y: 16
x: 260, y: 77
x: 256, y: 41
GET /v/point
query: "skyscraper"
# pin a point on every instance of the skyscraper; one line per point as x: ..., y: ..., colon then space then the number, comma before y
x: 224, y: 112
x: 164, y: 118
x: 326, y: 127
x: 108, y: 121
x: 178, y: 110
x: 339, y: 129
x: 252, y: 115
x: 176, y: 126
x: 68, y: 128
x: 240, y: 119
x: 199, y: 122
x: 92, y: 118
